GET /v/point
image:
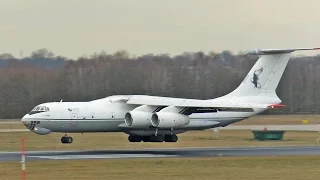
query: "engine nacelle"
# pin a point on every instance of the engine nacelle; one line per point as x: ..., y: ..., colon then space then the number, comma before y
x: 138, y: 119
x: 169, y: 120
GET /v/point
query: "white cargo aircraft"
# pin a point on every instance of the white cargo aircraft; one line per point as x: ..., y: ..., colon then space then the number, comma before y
x: 157, y: 119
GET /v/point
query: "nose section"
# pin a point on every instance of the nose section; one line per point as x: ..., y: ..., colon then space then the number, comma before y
x: 34, y: 125
x: 24, y: 120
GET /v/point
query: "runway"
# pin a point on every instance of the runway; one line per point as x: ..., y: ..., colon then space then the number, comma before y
x: 161, y: 153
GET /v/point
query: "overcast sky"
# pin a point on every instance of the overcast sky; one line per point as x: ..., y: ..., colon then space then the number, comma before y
x: 76, y: 27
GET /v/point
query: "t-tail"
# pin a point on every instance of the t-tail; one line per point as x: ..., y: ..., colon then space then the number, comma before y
x: 263, y: 79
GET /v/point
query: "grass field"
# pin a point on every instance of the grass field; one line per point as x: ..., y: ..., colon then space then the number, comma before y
x: 220, y: 168
x: 11, y: 141
x: 279, y: 120
x: 11, y: 125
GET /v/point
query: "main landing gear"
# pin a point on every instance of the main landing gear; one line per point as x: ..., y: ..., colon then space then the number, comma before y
x: 66, y: 139
x: 158, y: 138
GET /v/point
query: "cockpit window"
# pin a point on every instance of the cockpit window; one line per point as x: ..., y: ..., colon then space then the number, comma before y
x: 39, y: 109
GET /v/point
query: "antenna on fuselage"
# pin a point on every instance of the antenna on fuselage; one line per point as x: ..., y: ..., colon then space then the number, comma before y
x: 61, y: 100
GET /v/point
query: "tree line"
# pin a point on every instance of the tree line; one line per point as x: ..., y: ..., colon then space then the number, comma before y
x: 44, y: 77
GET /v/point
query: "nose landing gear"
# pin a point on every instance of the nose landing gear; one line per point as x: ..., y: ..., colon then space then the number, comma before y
x: 66, y: 139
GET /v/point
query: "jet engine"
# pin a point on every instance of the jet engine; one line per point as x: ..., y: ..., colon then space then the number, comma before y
x: 169, y: 120
x: 138, y: 119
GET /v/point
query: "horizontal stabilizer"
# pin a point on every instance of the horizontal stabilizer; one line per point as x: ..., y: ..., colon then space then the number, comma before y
x: 277, y: 51
x: 276, y: 106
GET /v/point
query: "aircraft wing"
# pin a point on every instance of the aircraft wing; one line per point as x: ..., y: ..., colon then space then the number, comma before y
x: 181, y: 102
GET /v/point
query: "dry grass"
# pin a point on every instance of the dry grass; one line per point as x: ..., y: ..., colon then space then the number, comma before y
x: 240, y: 168
x: 11, y: 141
x: 11, y: 124
x: 279, y: 120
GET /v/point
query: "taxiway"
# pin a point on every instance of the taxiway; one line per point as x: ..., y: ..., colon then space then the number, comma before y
x: 158, y: 153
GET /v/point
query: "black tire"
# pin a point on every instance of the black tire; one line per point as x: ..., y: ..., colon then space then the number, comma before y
x: 167, y: 138
x: 131, y: 138
x: 63, y: 140
x: 66, y: 140
x: 145, y: 138
x: 69, y: 139
x: 160, y: 138
x: 174, y: 138
x: 171, y: 138
x: 138, y: 138
x: 152, y: 139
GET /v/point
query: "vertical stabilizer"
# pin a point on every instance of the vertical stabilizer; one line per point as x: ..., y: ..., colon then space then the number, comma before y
x: 265, y: 75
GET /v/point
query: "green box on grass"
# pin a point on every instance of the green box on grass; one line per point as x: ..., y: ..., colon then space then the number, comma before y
x: 268, y: 135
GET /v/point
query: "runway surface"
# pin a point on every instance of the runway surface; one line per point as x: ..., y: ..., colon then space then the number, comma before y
x: 158, y: 153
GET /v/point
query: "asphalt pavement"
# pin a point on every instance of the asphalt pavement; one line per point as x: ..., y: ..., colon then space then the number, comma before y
x: 160, y: 153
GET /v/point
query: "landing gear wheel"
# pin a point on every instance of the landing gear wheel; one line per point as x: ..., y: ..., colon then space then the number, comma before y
x: 146, y: 138
x: 171, y: 138
x: 66, y: 140
x: 158, y: 138
x: 174, y: 138
x: 69, y: 140
x: 133, y: 138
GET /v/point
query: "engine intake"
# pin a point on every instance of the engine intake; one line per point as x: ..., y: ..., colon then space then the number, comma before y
x: 169, y: 120
x: 138, y: 119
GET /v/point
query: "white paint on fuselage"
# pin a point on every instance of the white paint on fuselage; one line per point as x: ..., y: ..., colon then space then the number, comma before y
x: 105, y: 116
x: 80, y: 116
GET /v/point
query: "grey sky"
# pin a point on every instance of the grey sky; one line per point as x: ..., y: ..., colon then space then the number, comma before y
x: 76, y: 27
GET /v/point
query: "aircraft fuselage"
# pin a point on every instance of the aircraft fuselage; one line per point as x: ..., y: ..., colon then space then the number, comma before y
x: 82, y: 117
